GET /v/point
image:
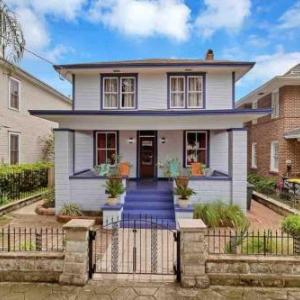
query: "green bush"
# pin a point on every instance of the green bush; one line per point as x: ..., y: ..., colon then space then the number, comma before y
x: 262, y: 184
x: 219, y: 214
x: 49, y: 198
x: 291, y: 225
x: 184, y: 192
x: 18, y: 179
x: 70, y: 209
x: 114, y: 188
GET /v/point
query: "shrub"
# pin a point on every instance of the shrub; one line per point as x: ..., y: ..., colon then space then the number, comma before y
x: 71, y: 209
x: 184, y: 192
x: 114, y: 188
x: 262, y: 184
x: 49, y: 198
x: 291, y: 225
x: 219, y: 214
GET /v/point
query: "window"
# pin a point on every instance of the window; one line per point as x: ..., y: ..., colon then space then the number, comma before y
x: 254, y: 106
x: 195, y: 147
x: 14, y: 93
x: 253, y: 156
x: 14, y: 148
x: 106, y: 147
x: 274, y: 156
x: 186, y: 91
x: 275, y: 104
x: 119, y: 92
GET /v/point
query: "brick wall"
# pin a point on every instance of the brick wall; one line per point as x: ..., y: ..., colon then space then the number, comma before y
x: 267, y: 130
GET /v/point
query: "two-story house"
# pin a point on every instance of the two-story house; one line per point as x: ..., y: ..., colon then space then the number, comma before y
x: 273, y: 140
x: 22, y: 135
x: 147, y: 111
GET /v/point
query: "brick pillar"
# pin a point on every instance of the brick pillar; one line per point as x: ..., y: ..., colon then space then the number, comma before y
x: 76, y: 262
x: 193, y: 253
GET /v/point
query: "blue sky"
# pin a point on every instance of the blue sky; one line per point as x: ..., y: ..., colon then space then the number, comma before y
x: 66, y: 31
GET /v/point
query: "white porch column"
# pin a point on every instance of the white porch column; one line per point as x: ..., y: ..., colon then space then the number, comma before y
x: 238, y: 166
x: 64, y: 161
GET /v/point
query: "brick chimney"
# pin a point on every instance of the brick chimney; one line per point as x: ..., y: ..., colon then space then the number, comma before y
x: 209, y: 55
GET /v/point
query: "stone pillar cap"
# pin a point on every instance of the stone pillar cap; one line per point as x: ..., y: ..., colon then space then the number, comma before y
x: 79, y: 224
x: 192, y: 224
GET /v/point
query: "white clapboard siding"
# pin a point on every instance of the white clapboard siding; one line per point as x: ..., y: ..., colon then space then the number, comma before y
x: 128, y: 151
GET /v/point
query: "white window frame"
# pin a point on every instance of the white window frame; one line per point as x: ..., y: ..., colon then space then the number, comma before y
x: 194, y: 92
x: 9, y: 145
x: 273, y: 168
x: 275, y: 104
x: 254, y: 106
x: 9, y: 94
x: 254, y: 156
x: 177, y: 92
x: 124, y: 93
x: 109, y: 93
x: 186, y: 142
x: 106, y: 149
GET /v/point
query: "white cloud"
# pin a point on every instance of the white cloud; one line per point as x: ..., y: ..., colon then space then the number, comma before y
x: 144, y: 18
x: 291, y: 18
x: 226, y: 15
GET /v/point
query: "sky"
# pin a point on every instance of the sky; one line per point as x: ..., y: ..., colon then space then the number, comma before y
x: 73, y: 31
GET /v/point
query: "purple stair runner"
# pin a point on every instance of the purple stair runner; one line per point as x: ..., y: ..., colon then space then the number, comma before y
x: 149, y: 204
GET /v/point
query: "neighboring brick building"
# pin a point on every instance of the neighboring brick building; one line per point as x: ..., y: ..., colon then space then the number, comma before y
x: 274, y: 140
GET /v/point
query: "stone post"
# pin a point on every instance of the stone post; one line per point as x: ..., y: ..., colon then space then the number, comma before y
x: 76, y: 262
x: 193, y: 253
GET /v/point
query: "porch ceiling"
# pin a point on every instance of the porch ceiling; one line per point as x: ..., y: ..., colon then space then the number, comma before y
x: 151, y: 120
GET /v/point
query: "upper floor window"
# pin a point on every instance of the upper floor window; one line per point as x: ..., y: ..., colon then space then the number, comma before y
x: 14, y: 93
x: 275, y: 104
x: 119, y: 92
x: 14, y: 148
x: 186, y: 91
x: 106, y: 147
x: 253, y: 156
x: 254, y: 106
x: 274, y: 161
x: 195, y: 147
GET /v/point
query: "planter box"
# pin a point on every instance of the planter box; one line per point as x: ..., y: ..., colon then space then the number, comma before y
x: 65, y: 219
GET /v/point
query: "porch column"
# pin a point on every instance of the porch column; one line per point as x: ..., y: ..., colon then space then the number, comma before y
x: 64, y: 151
x: 238, y: 166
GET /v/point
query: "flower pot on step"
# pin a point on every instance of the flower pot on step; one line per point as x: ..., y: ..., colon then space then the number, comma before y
x: 183, y: 203
x: 112, y: 201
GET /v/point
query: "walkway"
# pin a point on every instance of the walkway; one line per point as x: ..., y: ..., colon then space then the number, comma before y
x: 138, y: 291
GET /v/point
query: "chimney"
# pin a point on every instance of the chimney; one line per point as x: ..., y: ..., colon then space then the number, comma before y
x: 209, y: 55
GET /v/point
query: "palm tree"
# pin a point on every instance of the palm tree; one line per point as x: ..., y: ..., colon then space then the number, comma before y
x: 12, y: 40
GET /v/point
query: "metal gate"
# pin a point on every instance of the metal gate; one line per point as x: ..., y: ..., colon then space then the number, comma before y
x: 141, y: 245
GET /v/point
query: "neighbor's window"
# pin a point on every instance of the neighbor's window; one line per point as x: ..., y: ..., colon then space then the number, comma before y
x: 14, y: 148
x: 254, y: 106
x: 274, y: 156
x: 275, y: 104
x: 14, y: 93
x: 195, y: 147
x: 177, y: 91
x: 106, y: 147
x: 119, y: 92
x: 194, y: 92
x: 253, y: 156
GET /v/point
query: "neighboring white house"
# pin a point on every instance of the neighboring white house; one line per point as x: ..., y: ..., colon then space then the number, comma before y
x: 21, y: 134
x: 148, y: 111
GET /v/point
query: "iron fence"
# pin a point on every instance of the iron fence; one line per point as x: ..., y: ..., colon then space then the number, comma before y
x: 228, y: 241
x: 31, y: 239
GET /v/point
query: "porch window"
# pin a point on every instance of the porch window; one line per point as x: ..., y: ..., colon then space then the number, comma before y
x: 14, y: 148
x: 177, y: 91
x: 253, y: 156
x: 274, y: 164
x: 195, y: 147
x: 106, y: 147
x: 194, y: 92
x: 14, y: 93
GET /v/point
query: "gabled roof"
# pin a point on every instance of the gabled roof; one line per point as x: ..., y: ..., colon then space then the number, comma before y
x: 291, y: 77
x: 21, y: 72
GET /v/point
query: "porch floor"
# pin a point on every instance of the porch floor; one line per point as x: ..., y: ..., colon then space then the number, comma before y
x: 149, y: 201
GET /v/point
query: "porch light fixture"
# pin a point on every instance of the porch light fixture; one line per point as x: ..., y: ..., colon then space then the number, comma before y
x: 163, y: 140
x: 130, y: 140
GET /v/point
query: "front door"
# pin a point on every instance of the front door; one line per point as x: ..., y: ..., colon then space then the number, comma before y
x: 147, y: 154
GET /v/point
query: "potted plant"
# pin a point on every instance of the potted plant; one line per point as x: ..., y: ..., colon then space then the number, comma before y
x: 183, y: 178
x: 291, y: 225
x: 114, y: 188
x: 184, y: 193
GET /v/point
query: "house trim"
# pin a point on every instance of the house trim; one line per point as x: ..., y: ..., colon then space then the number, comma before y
x: 73, y: 91
x: 118, y: 75
x: 233, y: 90
x: 10, y: 78
x: 10, y: 133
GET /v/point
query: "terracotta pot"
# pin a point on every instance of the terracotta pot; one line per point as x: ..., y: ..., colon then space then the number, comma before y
x: 183, y: 203
x: 182, y: 181
x: 112, y: 201
x: 124, y: 169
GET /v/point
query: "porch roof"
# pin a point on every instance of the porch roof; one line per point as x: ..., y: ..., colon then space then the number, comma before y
x: 151, y: 119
